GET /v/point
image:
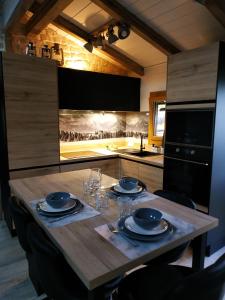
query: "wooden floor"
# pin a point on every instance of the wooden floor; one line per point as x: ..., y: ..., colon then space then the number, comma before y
x: 14, y: 281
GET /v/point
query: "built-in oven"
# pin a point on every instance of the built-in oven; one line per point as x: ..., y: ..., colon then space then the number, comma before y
x: 187, y: 170
x: 188, y: 150
x: 190, y: 124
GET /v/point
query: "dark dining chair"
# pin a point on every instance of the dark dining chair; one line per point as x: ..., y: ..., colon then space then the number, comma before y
x: 57, y: 277
x: 172, y: 282
x: 22, y: 218
x: 174, y: 254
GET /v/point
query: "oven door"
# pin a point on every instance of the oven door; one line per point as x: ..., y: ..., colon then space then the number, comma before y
x: 190, y: 126
x: 188, y: 177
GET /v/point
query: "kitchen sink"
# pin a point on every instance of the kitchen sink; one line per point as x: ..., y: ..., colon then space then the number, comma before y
x: 144, y: 153
x: 136, y: 152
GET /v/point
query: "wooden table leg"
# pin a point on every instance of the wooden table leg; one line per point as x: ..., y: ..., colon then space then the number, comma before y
x: 96, y: 294
x: 199, y: 249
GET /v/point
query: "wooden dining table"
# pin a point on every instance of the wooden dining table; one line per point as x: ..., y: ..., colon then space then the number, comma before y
x: 93, y: 258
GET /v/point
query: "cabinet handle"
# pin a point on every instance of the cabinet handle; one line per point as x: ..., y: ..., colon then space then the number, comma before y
x: 189, y: 161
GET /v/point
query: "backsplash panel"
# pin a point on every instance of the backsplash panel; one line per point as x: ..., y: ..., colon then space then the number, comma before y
x: 85, y: 126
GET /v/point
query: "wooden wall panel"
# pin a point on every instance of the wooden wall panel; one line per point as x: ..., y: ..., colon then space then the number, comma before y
x: 31, y: 97
x: 192, y: 75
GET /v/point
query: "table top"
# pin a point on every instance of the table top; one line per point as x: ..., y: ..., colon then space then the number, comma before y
x: 94, y: 259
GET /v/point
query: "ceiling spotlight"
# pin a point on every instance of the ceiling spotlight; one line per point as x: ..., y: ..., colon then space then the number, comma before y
x: 112, y: 38
x: 89, y: 46
x: 99, y: 41
x: 123, y: 31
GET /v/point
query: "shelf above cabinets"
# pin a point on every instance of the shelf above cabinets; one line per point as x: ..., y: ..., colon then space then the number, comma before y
x: 84, y: 90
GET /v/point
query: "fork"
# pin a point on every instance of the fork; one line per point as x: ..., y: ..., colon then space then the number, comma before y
x: 113, y: 229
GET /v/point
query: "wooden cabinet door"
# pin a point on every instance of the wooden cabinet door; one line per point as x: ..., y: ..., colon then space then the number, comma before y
x: 31, y: 101
x: 108, y: 166
x: 33, y: 172
x: 151, y: 176
x: 192, y: 74
x: 129, y: 168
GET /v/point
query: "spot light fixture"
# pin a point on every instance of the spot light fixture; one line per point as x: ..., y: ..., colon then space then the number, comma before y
x: 123, y: 31
x: 89, y: 46
x: 99, y: 40
x: 112, y: 38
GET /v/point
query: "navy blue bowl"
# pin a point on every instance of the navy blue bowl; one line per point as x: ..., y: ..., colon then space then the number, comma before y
x: 147, y: 218
x: 128, y: 183
x: 57, y: 199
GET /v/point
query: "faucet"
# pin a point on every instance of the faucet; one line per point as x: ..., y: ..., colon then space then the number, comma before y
x: 141, y: 146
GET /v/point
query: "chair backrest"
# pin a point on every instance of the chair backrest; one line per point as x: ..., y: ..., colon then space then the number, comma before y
x: 21, y: 218
x: 208, y: 284
x: 176, y: 197
x: 57, y: 278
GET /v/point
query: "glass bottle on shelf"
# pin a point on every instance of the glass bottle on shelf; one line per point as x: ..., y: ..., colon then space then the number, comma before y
x: 45, y: 52
x: 57, y: 54
x: 31, y: 49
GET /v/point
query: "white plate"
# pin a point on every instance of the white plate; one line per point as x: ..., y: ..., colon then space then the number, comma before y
x: 119, y: 189
x: 132, y: 226
x: 47, y: 208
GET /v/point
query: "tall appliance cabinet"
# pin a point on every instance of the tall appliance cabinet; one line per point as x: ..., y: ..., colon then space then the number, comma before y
x: 195, y: 132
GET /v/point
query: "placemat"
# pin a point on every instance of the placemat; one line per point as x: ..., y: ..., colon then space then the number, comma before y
x: 139, y: 198
x: 86, y: 213
x: 181, y: 228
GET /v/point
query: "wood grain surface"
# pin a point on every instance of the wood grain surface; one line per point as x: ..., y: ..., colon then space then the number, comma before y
x: 192, y: 75
x: 31, y: 101
x: 94, y: 259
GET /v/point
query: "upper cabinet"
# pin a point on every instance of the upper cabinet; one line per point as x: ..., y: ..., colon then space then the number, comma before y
x: 31, y: 105
x: 84, y: 90
x: 192, y: 75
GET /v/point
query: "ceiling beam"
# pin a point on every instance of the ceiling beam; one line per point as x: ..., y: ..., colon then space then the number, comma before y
x: 116, y: 10
x: 108, y: 52
x: 216, y: 7
x: 103, y: 27
x: 44, y: 14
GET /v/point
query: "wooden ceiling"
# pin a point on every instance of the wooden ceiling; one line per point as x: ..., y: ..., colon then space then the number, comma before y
x: 158, y: 27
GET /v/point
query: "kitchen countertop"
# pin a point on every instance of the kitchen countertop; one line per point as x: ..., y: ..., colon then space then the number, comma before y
x: 96, y: 154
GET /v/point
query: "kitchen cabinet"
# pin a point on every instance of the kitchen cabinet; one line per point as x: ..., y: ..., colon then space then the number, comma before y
x: 108, y: 166
x: 192, y: 75
x: 34, y: 172
x: 194, y: 162
x: 129, y: 168
x: 31, y: 109
x: 84, y: 90
x: 152, y: 176
x: 29, y: 120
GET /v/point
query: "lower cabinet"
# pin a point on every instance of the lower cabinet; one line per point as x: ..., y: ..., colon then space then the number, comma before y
x: 33, y: 172
x: 129, y: 168
x: 150, y: 175
x: 108, y: 166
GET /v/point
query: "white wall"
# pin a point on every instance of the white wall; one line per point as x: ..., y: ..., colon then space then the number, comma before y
x: 154, y: 80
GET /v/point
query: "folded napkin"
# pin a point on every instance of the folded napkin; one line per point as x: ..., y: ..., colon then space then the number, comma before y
x: 86, y: 213
x: 180, y: 228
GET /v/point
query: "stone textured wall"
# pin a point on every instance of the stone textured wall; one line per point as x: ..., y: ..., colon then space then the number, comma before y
x: 75, y: 55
